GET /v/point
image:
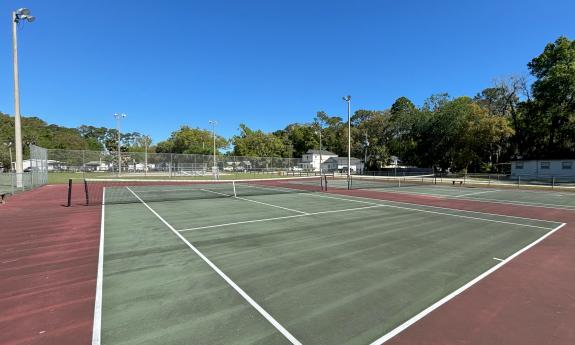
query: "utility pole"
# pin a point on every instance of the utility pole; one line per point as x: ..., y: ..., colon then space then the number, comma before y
x: 320, y: 149
x: 348, y: 100
x: 17, y: 16
x: 147, y: 141
x: 119, y: 117
x: 365, y: 155
x: 214, y: 123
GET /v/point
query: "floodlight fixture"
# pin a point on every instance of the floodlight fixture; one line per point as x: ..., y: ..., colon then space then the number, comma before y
x: 23, y: 11
x: 23, y: 14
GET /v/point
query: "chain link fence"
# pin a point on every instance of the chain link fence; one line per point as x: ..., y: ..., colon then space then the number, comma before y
x: 141, y: 164
x: 35, y: 173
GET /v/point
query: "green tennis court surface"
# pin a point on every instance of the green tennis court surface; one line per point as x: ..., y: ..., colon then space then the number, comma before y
x: 310, y: 268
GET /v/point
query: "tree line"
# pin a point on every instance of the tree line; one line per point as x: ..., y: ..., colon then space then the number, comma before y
x: 515, y: 118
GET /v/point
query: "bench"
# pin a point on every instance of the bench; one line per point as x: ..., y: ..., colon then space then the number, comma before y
x: 460, y: 182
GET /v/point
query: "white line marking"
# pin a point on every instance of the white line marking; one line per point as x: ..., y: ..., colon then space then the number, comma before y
x: 443, y: 213
x: 447, y: 298
x: 483, y: 192
x: 228, y: 280
x: 257, y: 202
x: 243, y: 222
x: 277, y: 218
x: 97, y: 328
x: 498, y: 259
x: 495, y: 201
x: 354, y: 198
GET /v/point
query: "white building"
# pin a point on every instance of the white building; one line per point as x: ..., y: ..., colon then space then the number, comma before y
x: 52, y: 165
x: 339, y: 164
x: 545, y: 168
x: 311, y: 159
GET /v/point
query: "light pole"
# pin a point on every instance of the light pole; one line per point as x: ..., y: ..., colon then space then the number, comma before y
x: 365, y: 156
x: 119, y: 117
x: 214, y: 123
x: 320, y: 157
x: 348, y: 100
x: 17, y: 16
x: 147, y: 141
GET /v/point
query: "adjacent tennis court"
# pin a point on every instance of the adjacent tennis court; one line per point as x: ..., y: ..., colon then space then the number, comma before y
x: 429, y: 185
x: 271, y: 263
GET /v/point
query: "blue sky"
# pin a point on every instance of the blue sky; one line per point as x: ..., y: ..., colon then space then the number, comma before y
x: 263, y: 63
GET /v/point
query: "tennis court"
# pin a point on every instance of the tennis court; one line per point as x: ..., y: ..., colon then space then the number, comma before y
x: 224, y: 264
x: 428, y: 185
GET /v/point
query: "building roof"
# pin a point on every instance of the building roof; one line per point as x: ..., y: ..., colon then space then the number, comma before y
x: 323, y: 152
x: 342, y: 160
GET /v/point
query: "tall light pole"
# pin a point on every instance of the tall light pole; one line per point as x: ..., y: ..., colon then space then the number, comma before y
x: 348, y: 100
x: 119, y: 117
x: 17, y: 16
x: 214, y: 123
x: 320, y: 157
x: 147, y: 141
x: 365, y: 156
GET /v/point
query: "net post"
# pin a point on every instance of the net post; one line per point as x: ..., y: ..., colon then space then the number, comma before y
x: 234, y: 185
x: 325, y: 183
x: 86, y: 192
x: 69, y: 193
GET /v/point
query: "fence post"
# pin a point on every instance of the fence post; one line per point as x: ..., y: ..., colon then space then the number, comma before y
x: 84, y: 164
x: 552, y: 182
x: 69, y: 193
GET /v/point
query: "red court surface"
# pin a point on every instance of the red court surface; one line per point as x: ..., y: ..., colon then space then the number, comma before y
x: 49, y: 256
x: 48, y: 265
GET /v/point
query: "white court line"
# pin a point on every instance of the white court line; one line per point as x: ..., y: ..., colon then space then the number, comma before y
x: 278, y: 218
x: 451, y: 215
x: 228, y: 280
x: 495, y: 201
x: 498, y: 259
x: 483, y: 192
x: 97, y: 327
x: 436, y: 212
x: 353, y: 198
x: 257, y: 202
x: 447, y: 298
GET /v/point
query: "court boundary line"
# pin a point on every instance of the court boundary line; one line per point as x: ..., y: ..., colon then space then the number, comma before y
x: 374, y: 201
x: 257, y: 202
x: 495, y: 201
x: 225, y: 277
x: 380, y: 202
x: 455, y: 215
x: 389, y: 335
x: 482, y: 192
x: 278, y: 218
x: 97, y: 324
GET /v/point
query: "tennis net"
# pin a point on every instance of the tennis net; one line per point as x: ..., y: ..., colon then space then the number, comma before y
x: 369, y: 182
x: 124, y: 191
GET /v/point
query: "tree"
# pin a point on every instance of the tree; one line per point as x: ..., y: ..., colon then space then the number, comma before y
x: 502, y: 100
x: 257, y: 143
x: 191, y: 140
x: 551, y: 113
